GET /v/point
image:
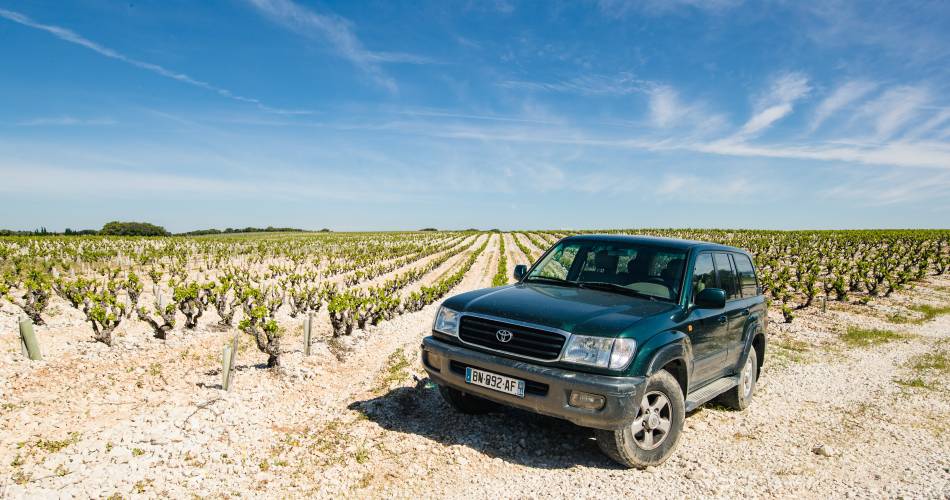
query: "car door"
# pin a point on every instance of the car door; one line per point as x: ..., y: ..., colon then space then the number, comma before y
x: 707, y: 328
x: 736, y: 311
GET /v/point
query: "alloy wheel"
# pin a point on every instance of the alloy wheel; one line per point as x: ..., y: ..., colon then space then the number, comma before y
x: 653, y: 422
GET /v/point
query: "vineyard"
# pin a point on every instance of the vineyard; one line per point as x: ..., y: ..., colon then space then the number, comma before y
x: 262, y: 280
x: 162, y: 308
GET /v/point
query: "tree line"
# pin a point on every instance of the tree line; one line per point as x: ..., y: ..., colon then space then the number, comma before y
x: 117, y: 228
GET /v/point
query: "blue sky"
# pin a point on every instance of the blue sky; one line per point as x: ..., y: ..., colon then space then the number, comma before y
x: 454, y: 114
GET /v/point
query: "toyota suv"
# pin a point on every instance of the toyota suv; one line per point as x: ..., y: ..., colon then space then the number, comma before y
x: 622, y: 334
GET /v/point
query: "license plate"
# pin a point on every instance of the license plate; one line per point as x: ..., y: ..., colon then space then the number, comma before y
x: 494, y: 381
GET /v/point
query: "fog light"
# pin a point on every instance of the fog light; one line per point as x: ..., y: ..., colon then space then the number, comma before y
x: 587, y: 400
x: 432, y: 360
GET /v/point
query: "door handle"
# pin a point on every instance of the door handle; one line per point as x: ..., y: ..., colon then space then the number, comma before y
x: 723, y: 319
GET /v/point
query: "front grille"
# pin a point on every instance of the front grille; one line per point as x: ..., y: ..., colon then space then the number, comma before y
x: 530, y: 386
x: 533, y: 342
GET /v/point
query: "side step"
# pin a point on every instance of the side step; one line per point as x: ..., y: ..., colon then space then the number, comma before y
x: 709, y: 391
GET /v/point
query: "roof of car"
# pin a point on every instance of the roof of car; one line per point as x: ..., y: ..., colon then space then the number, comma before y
x: 656, y: 241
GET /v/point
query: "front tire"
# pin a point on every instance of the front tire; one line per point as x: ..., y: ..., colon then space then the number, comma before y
x: 739, y: 397
x: 652, y: 436
x: 464, y: 402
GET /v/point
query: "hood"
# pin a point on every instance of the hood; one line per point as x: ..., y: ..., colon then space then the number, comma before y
x: 576, y: 310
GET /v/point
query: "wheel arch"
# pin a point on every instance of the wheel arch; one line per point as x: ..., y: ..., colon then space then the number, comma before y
x: 758, y: 343
x: 673, y: 357
x: 755, y: 340
x: 677, y: 368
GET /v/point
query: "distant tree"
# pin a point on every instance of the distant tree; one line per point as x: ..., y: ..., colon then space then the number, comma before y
x: 116, y: 228
x: 428, y: 229
x: 325, y: 230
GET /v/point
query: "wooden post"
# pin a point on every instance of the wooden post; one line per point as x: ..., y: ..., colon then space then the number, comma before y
x: 31, y: 347
x: 307, y: 324
x: 226, y: 367
x: 228, y: 362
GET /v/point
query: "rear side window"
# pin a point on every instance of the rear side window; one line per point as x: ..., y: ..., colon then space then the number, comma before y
x: 727, y: 276
x: 704, y: 274
x: 746, y: 275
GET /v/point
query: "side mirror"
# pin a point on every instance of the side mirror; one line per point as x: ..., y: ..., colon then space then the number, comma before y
x: 711, y: 298
x: 520, y: 271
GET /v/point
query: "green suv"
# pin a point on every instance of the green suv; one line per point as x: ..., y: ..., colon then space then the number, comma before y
x: 623, y: 334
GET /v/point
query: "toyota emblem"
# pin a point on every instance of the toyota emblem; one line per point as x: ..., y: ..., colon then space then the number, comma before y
x: 503, y: 336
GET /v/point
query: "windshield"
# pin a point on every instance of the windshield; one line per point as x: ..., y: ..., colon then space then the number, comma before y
x: 648, y: 270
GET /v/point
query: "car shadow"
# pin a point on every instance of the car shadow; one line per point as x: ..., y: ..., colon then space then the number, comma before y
x: 512, y: 435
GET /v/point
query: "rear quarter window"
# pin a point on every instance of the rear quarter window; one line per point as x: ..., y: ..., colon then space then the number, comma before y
x: 747, y: 281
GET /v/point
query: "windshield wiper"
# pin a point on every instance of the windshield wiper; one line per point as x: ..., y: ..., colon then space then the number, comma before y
x: 551, y: 279
x: 613, y: 287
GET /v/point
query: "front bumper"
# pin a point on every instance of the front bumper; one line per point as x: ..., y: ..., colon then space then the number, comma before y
x: 549, y: 388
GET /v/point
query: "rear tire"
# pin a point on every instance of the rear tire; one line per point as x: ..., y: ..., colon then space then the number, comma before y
x: 651, y: 438
x: 466, y: 403
x: 739, y: 397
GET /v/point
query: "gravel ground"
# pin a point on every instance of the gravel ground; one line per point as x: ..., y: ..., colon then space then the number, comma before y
x: 148, y: 419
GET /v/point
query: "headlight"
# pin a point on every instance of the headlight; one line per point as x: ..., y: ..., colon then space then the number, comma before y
x: 601, y: 352
x: 447, y: 322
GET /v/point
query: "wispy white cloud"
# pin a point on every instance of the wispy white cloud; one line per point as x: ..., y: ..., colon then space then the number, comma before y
x: 621, y: 84
x: 930, y: 126
x: 893, y: 110
x: 67, y: 121
x: 764, y: 119
x: 870, y: 132
x: 786, y: 87
x: 775, y: 104
x: 899, y: 154
x: 339, y: 33
x: 668, y: 110
x: 844, y: 95
x: 73, y: 37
